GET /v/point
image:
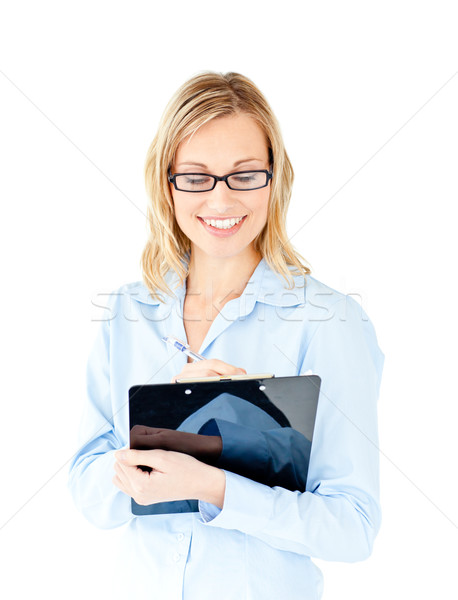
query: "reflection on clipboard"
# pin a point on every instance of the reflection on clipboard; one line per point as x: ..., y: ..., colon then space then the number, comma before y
x: 265, y: 423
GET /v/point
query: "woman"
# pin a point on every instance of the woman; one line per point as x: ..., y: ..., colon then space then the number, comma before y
x: 219, y: 271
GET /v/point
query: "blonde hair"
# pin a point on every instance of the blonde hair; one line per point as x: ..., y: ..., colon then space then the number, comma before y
x: 207, y: 96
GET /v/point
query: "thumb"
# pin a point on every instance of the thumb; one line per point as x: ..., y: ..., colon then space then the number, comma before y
x: 131, y: 457
x: 147, y: 458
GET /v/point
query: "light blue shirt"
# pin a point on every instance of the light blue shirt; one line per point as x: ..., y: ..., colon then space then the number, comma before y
x: 259, y: 545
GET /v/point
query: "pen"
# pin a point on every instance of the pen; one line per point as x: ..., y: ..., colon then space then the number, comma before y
x: 182, y: 347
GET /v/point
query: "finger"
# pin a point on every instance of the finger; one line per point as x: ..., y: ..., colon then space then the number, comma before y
x: 149, y: 458
x: 204, y: 371
x: 198, y: 373
x: 120, y: 483
x: 222, y: 367
x: 215, y: 365
x: 124, y: 473
x: 117, y: 482
x: 208, y: 368
x: 131, y: 480
x: 131, y: 476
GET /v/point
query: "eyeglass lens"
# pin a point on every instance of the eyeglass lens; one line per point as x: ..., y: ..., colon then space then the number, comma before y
x: 200, y: 183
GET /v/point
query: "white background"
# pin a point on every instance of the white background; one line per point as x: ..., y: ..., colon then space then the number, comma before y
x: 366, y: 94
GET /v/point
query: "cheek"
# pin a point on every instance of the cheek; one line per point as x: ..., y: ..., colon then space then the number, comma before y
x: 179, y: 210
x: 263, y: 207
x: 184, y: 219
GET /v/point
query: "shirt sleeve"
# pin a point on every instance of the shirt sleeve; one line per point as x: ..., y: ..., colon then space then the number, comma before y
x: 338, y: 516
x: 92, y: 467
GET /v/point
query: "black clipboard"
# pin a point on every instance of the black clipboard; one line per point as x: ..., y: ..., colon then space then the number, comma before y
x: 266, y: 424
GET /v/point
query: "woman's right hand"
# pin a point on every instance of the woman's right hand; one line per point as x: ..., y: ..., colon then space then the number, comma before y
x: 208, y: 368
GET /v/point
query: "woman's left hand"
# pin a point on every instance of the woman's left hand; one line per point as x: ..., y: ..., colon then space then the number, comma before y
x: 174, y: 476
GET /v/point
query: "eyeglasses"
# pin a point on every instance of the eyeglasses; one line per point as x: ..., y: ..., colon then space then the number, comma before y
x: 203, y: 182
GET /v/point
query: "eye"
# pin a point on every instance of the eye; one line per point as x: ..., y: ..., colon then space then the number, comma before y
x: 197, y: 179
x: 245, y: 178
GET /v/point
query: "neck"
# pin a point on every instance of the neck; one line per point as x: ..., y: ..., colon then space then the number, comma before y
x: 214, y: 280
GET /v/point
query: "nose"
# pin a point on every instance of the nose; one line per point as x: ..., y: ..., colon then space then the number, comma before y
x: 221, y: 198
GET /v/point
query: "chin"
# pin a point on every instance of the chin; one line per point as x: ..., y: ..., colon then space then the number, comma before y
x: 221, y: 253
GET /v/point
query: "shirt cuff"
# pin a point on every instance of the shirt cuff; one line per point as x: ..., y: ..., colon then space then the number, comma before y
x: 208, y: 511
x: 248, y: 505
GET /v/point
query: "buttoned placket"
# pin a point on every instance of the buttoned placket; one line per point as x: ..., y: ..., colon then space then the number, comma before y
x: 178, y: 556
x: 181, y: 547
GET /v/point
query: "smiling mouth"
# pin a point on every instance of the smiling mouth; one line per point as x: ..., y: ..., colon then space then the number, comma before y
x: 223, y: 223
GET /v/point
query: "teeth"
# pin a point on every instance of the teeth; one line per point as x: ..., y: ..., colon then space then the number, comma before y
x: 225, y: 224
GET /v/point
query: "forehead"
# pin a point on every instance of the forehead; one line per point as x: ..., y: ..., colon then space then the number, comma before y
x: 224, y: 139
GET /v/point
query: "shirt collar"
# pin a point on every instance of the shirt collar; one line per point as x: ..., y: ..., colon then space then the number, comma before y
x: 273, y: 288
x: 265, y: 285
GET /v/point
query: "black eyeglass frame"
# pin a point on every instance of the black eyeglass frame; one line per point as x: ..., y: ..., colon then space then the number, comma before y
x: 171, y: 179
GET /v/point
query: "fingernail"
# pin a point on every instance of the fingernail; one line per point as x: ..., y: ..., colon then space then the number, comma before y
x: 121, y: 455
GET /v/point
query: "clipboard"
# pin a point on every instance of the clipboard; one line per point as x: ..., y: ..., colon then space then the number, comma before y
x: 265, y: 423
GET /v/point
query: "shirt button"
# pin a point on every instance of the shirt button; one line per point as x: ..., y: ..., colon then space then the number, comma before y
x: 176, y: 556
x: 180, y: 537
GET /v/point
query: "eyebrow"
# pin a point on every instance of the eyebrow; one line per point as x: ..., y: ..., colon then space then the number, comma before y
x: 197, y: 164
